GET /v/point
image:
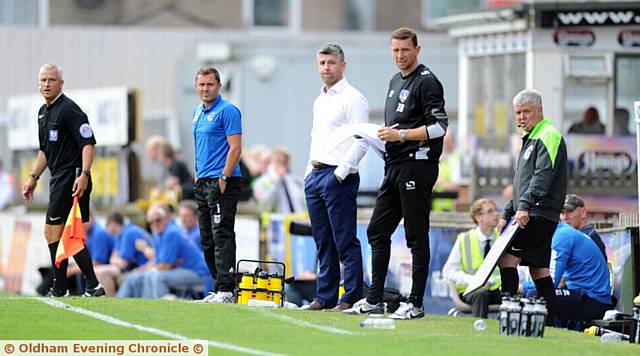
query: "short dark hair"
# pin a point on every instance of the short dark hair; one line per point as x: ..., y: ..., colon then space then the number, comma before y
x: 208, y: 71
x: 115, y: 217
x: 404, y: 33
x: 332, y: 49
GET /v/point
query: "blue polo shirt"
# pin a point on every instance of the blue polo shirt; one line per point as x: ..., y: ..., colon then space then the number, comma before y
x: 100, y: 244
x: 210, y: 129
x: 174, y: 248
x: 193, y: 235
x: 127, y: 245
x: 578, y: 258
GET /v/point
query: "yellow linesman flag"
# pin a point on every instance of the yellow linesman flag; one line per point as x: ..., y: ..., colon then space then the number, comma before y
x: 73, y: 237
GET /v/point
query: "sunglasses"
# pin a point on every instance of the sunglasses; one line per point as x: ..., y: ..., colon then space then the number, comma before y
x: 154, y: 221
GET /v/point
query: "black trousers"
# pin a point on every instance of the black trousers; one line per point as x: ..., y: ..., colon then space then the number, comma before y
x: 405, y: 193
x: 217, y: 218
x: 480, y: 300
x: 573, y: 304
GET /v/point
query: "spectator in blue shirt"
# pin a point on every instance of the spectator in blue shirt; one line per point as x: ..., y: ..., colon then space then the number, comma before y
x: 574, y: 213
x: 99, y: 242
x: 100, y: 245
x: 127, y: 256
x: 188, y: 213
x: 177, y: 263
x: 576, y: 259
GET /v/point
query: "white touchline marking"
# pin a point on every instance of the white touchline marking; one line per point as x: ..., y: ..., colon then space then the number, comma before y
x: 167, y: 334
x: 304, y: 324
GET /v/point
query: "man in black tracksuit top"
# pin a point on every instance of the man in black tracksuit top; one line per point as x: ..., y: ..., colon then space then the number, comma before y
x: 539, y: 189
x: 415, y: 124
x: 66, y: 144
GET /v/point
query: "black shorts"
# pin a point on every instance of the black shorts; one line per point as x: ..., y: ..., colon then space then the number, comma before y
x: 533, y: 243
x: 61, y: 199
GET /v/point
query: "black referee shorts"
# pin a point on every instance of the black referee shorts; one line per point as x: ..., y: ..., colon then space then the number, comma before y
x: 533, y: 243
x: 61, y: 199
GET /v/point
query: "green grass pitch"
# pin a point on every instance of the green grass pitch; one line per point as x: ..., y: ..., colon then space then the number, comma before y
x: 289, y: 332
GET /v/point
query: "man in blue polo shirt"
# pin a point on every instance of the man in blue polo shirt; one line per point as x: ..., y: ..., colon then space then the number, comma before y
x: 178, y: 263
x: 217, y: 132
x: 99, y: 242
x: 576, y: 259
x: 188, y: 213
x: 126, y: 256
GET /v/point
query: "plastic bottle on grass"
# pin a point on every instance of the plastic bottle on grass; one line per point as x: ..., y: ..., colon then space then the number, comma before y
x: 614, y: 337
x: 378, y: 323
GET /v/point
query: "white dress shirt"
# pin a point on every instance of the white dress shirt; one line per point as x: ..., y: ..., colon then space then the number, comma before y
x: 452, y: 271
x: 341, y: 104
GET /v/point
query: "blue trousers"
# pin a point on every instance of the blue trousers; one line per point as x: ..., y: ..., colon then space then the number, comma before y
x: 333, y: 211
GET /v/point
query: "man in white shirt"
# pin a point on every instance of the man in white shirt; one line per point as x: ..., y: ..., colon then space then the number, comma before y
x: 332, y: 180
x: 467, y: 255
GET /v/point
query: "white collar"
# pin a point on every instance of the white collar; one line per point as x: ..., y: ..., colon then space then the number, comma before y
x: 337, y: 87
x: 481, y: 236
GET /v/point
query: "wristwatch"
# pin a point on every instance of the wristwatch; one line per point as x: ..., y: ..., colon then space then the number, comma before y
x: 224, y: 178
x: 34, y: 176
x: 403, y: 135
x: 87, y: 173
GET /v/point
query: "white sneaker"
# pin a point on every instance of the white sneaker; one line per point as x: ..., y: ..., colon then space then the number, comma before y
x: 407, y: 311
x: 224, y: 297
x: 363, y: 307
x: 207, y: 299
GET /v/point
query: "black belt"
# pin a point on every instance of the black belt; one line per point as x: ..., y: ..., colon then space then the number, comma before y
x: 318, y: 166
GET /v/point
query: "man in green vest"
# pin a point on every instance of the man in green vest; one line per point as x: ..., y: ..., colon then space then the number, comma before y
x: 468, y: 253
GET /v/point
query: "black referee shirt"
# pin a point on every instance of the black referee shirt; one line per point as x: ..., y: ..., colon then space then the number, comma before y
x: 413, y: 101
x: 63, y: 130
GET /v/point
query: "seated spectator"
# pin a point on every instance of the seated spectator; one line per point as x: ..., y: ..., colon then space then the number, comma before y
x: 574, y: 213
x: 178, y: 263
x: 277, y: 190
x: 590, y: 123
x: 7, y: 188
x: 467, y: 254
x: 188, y: 213
x: 127, y: 255
x: 577, y: 261
x: 303, y: 289
x: 99, y: 242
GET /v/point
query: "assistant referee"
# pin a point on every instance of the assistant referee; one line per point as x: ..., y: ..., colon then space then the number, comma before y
x: 66, y: 143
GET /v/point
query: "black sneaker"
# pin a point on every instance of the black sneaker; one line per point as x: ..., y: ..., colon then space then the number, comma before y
x: 98, y: 291
x: 55, y: 294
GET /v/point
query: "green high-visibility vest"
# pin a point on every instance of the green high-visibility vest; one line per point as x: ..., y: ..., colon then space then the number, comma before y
x: 471, y: 257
